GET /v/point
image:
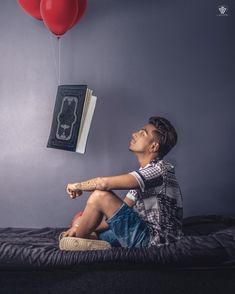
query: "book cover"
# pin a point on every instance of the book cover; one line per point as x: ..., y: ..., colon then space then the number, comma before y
x: 73, y: 110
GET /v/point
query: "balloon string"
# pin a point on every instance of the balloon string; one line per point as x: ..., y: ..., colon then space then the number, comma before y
x: 59, y: 60
x: 54, y: 56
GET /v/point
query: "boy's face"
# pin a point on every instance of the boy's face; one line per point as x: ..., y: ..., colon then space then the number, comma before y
x: 143, y: 140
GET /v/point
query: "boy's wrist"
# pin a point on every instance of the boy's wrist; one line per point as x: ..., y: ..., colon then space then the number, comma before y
x: 78, y: 186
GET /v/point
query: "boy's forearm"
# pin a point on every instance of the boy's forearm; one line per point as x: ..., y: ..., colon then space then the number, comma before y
x: 108, y: 183
x: 91, y: 185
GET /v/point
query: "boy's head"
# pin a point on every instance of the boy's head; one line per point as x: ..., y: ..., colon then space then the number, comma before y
x: 165, y: 134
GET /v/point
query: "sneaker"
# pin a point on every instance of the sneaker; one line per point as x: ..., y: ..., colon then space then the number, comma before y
x: 80, y: 244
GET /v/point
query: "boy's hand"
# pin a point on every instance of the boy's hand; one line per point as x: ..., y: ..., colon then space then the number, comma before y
x: 73, y: 190
x: 72, y: 232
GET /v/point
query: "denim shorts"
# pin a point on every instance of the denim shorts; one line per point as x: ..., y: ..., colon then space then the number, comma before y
x: 126, y: 229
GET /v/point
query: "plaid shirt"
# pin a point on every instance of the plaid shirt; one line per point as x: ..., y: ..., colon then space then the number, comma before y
x: 158, y: 201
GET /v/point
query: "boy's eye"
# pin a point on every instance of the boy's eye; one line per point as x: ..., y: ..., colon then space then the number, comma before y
x: 142, y: 132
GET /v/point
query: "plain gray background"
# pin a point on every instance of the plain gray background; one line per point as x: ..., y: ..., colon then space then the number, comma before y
x: 141, y: 58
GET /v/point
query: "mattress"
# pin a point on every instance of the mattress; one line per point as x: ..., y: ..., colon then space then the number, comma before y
x: 209, y: 241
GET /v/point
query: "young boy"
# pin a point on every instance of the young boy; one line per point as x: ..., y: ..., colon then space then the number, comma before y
x: 152, y: 211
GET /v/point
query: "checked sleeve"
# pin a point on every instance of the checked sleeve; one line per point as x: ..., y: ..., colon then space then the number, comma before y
x: 150, y: 176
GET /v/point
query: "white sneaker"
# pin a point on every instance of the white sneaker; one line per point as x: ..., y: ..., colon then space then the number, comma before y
x: 80, y: 244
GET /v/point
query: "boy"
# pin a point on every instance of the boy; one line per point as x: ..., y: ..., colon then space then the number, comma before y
x: 151, y: 213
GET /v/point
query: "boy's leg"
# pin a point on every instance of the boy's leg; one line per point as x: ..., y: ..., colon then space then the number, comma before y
x: 99, y: 204
x: 75, y: 224
x: 127, y: 229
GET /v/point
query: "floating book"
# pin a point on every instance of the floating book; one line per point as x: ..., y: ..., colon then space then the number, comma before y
x: 73, y: 112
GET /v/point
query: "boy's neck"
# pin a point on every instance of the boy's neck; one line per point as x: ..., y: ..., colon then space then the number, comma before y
x: 145, y: 159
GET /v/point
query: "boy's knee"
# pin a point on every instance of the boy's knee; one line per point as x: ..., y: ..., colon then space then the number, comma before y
x: 97, y: 196
x: 104, y: 201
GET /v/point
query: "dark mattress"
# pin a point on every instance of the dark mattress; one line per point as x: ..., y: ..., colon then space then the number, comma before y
x: 209, y: 241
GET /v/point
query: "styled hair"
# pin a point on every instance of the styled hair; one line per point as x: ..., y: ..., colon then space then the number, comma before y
x: 165, y: 133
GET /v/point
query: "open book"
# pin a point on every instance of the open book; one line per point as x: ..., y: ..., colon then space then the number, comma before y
x: 73, y: 112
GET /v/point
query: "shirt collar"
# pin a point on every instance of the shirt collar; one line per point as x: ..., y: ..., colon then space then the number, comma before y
x: 155, y: 160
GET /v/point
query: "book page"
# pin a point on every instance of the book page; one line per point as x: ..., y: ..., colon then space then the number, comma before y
x: 84, y: 131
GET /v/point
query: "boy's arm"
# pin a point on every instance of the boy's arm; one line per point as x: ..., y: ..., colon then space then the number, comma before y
x: 122, y: 182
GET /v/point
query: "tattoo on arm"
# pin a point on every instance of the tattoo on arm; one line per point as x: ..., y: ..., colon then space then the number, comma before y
x: 91, y: 185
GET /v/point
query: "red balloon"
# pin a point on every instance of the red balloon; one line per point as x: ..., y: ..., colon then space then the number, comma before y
x: 59, y: 15
x: 82, y: 5
x: 31, y: 7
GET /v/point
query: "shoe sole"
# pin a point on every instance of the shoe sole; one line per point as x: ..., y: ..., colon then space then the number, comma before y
x: 80, y: 244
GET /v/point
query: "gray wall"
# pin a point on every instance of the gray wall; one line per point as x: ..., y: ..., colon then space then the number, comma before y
x: 141, y: 58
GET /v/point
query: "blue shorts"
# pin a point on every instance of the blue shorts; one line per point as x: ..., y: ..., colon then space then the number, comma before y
x: 126, y: 229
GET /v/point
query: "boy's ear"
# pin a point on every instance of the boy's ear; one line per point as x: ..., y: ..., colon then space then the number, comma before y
x: 154, y: 147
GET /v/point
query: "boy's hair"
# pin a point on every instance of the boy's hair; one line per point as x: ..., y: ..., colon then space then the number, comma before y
x: 165, y: 133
